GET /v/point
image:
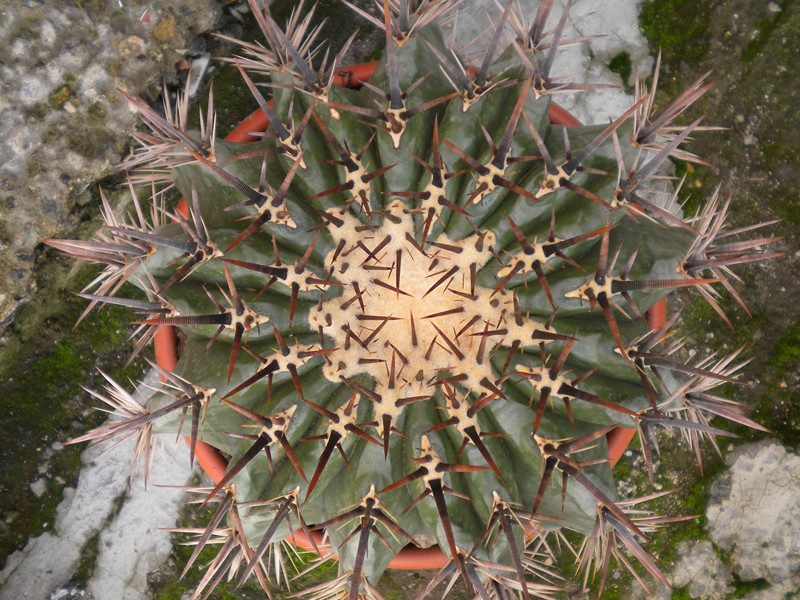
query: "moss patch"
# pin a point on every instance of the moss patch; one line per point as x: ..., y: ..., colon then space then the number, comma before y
x: 746, y: 45
x: 695, y: 186
x: 677, y: 28
x: 786, y: 354
x: 41, y: 403
x: 91, y: 141
x: 59, y: 97
x: 743, y: 589
x: 766, y: 29
x: 621, y: 65
x: 95, y: 113
x: 88, y: 559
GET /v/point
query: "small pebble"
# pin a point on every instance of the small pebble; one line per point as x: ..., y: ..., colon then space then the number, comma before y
x: 39, y: 487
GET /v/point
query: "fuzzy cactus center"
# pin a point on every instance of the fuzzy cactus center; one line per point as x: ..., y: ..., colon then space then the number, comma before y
x: 408, y: 314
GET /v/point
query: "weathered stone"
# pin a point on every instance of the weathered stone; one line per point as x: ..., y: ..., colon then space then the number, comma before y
x: 63, y: 123
x: 702, y: 570
x: 39, y: 487
x: 754, y: 512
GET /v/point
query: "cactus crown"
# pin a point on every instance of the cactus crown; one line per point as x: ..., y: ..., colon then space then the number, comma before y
x: 422, y: 300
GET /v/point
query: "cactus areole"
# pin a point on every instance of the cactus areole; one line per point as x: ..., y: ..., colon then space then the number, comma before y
x: 412, y: 312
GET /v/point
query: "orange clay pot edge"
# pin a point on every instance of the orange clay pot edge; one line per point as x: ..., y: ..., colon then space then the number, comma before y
x: 619, y: 439
x: 212, y: 461
x: 410, y: 558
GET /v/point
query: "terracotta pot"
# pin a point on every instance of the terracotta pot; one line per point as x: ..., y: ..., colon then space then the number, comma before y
x: 214, y: 463
x: 410, y: 558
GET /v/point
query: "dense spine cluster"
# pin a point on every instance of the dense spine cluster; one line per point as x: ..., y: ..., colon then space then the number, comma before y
x: 413, y: 311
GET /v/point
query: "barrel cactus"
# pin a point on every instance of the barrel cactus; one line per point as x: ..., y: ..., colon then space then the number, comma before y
x: 411, y: 313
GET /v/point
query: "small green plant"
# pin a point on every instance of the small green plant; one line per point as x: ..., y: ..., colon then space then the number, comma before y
x: 413, y: 312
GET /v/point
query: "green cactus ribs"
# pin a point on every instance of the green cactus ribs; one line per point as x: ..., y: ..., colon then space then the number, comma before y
x: 413, y: 311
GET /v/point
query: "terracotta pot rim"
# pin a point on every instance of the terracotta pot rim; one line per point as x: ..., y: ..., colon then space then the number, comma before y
x: 410, y: 558
x: 211, y: 459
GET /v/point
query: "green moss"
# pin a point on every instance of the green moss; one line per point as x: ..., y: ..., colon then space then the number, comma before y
x: 169, y: 587
x: 41, y: 402
x: 26, y: 25
x: 678, y: 28
x: 238, y: 101
x: 6, y: 235
x: 778, y: 408
x: 88, y: 559
x: 676, y: 470
x: 338, y: 27
x: 786, y: 353
x: 775, y: 366
x: 696, y: 186
x: 91, y: 549
x: 682, y: 594
x: 36, y: 111
x: 90, y: 141
x: 36, y: 163
x: 743, y: 589
x: 788, y: 210
x: 222, y: 592
x: 60, y: 96
x: 689, y: 500
x: 51, y: 135
x: 621, y: 65
x: 766, y: 29
x: 227, y: 80
x: 699, y: 316
x: 93, y: 7
x: 95, y: 112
